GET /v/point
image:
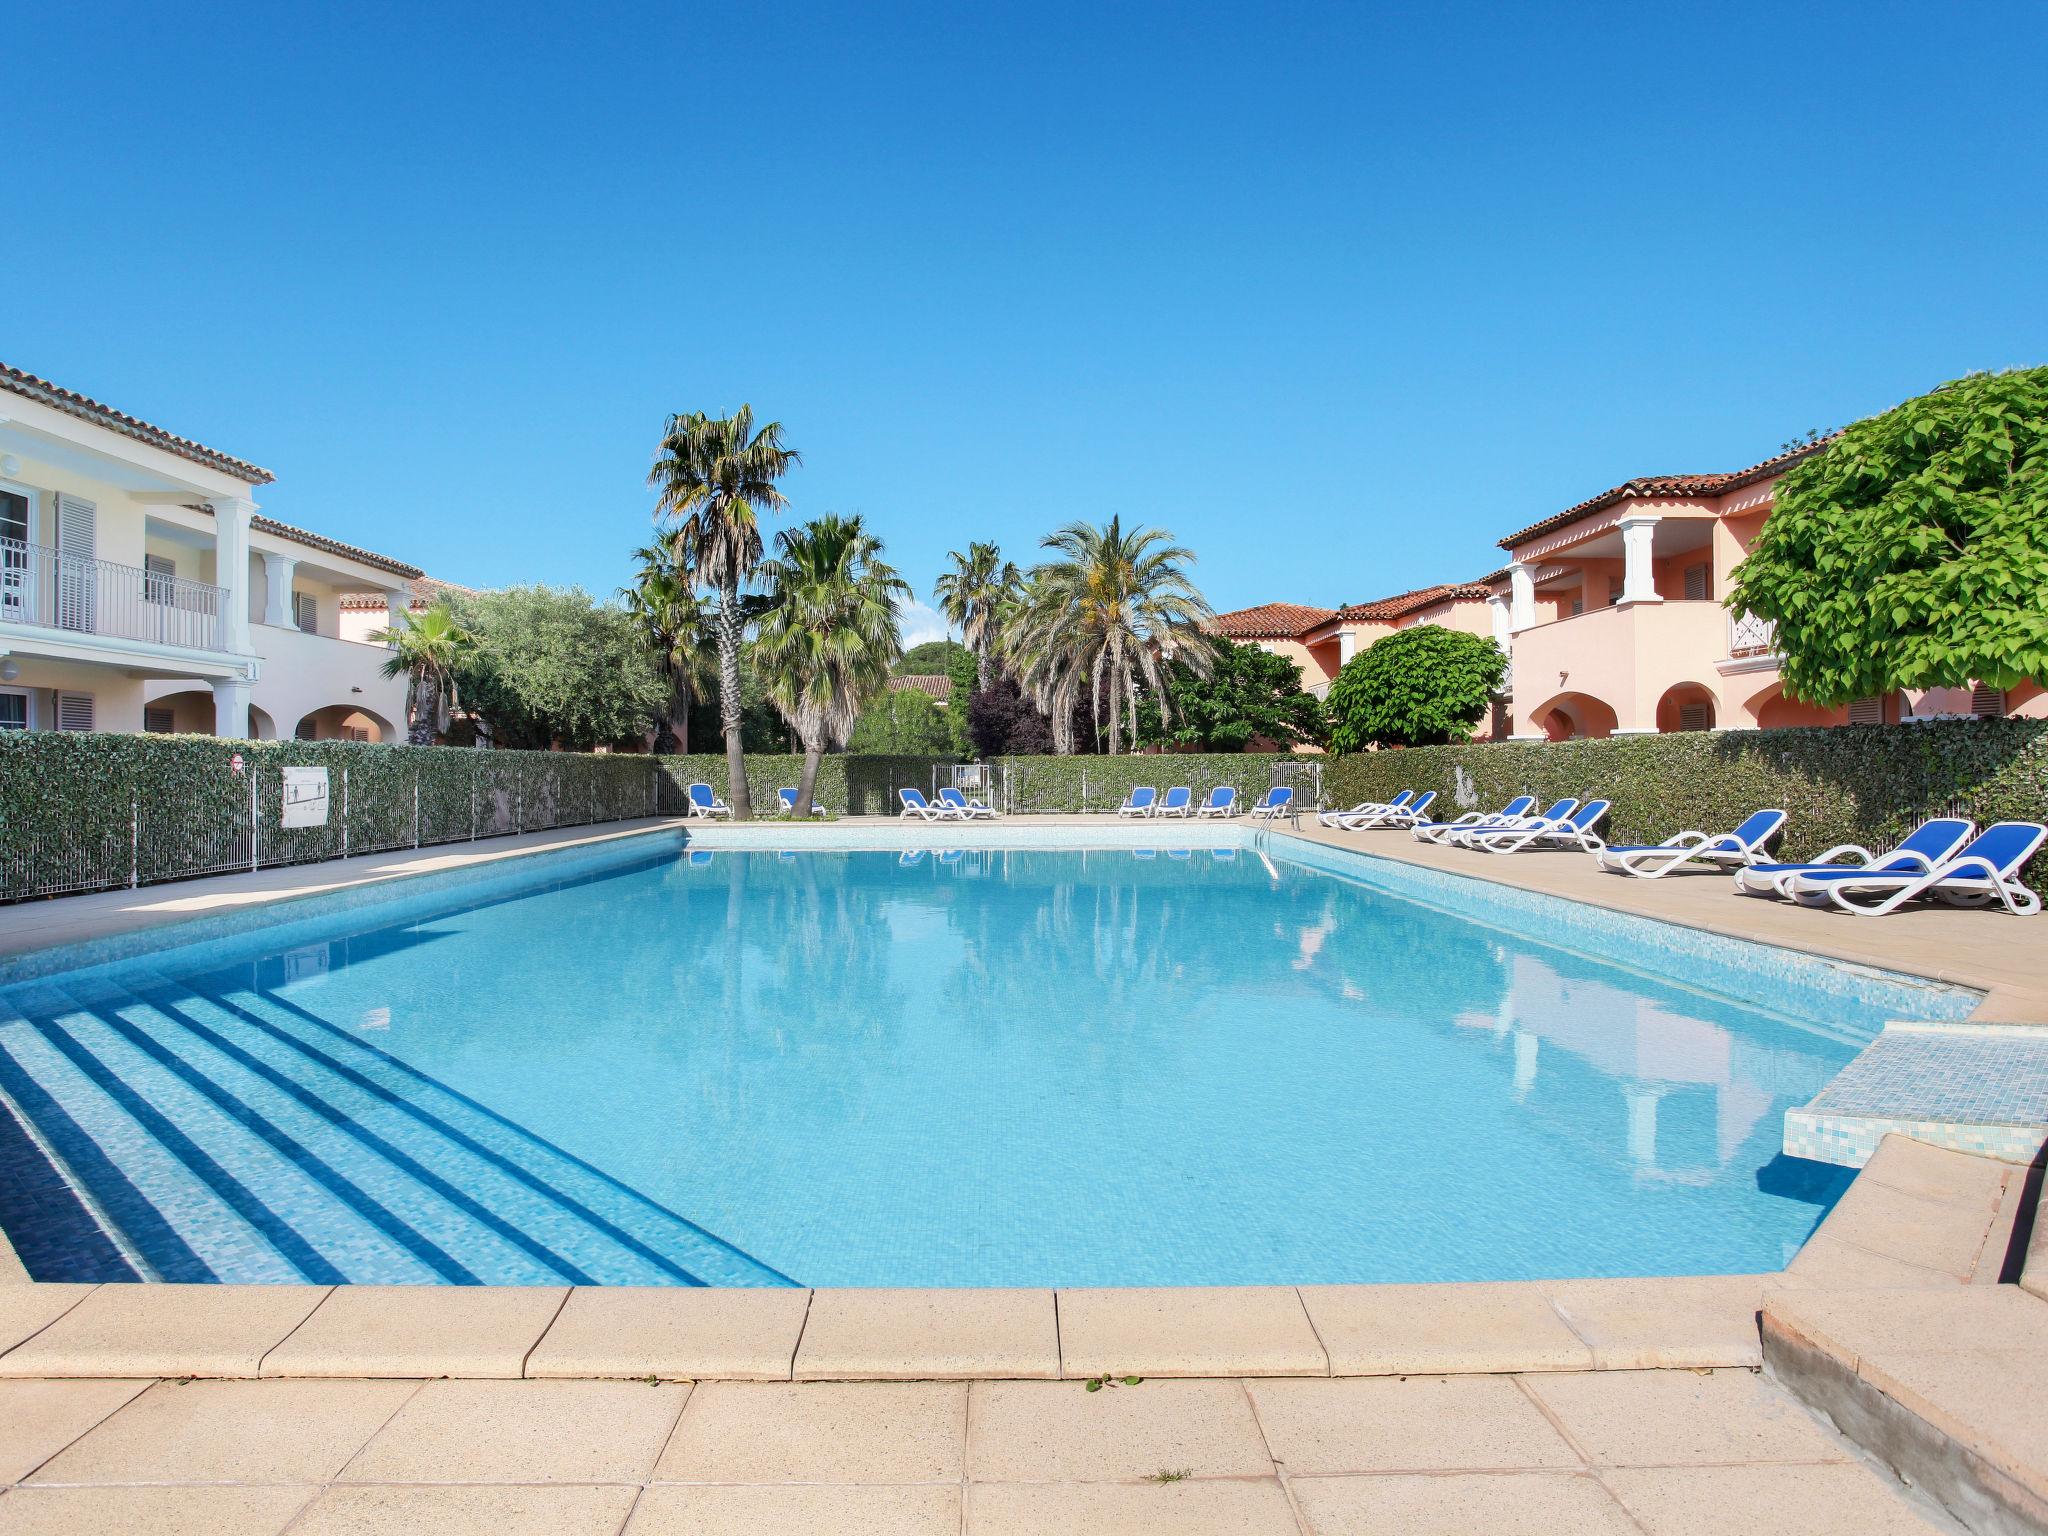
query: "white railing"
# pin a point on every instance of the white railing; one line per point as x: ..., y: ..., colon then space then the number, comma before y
x: 43, y: 586
x: 1749, y: 635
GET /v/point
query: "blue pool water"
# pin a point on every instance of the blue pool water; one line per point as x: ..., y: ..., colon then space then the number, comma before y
x: 981, y: 1067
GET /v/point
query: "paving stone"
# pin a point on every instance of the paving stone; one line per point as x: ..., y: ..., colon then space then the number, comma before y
x: 842, y: 1510
x: 1845, y: 1499
x: 1403, y: 1424
x: 898, y: 1335
x: 819, y: 1432
x: 687, y: 1332
x: 1498, y: 1504
x: 166, y: 1330
x: 503, y: 1510
x: 1058, y: 1431
x: 1372, y: 1330
x: 1187, y: 1508
x: 419, y: 1330
x: 1188, y: 1331
x: 525, y: 1432
x: 1680, y: 1418
x: 39, y: 1418
x: 151, y: 1511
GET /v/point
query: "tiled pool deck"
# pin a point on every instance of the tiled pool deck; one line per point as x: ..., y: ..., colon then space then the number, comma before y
x: 1625, y: 1405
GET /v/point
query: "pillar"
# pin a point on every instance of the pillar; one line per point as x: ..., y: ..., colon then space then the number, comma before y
x: 231, y: 570
x: 1638, y: 581
x: 278, y: 573
x: 397, y: 611
x: 1521, y: 598
x: 231, y: 707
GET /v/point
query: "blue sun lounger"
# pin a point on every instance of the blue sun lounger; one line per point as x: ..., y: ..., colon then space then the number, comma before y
x: 915, y: 804
x: 1141, y: 801
x: 1274, y: 803
x: 972, y: 810
x: 1176, y: 802
x: 1927, y: 845
x: 705, y: 805
x: 1986, y: 870
x: 1574, y: 831
x: 788, y: 799
x: 1335, y: 818
x: 1401, y: 816
x: 1472, y: 821
x: 1731, y: 850
x: 1222, y: 801
x: 1556, y: 813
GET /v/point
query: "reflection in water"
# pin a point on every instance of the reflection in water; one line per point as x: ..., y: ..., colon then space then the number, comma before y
x: 968, y: 1067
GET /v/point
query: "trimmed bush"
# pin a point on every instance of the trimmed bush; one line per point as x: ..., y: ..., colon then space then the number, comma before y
x: 846, y: 786
x: 1069, y: 784
x: 1841, y: 784
x: 92, y: 811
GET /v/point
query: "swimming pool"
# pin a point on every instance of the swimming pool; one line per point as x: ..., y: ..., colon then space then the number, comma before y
x: 651, y: 1063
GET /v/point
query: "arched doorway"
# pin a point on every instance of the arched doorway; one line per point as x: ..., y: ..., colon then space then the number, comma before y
x: 343, y: 722
x: 1688, y: 707
x: 1572, y: 716
x: 1774, y: 711
x: 189, y: 712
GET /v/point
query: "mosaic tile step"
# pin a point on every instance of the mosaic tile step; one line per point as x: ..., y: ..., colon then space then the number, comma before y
x: 1979, y: 1088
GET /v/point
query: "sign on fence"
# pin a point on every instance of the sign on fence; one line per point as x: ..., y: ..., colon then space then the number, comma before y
x: 305, y: 797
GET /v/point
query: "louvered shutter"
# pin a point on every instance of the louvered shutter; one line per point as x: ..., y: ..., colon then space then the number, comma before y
x: 77, y: 552
x: 1699, y: 579
x: 157, y: 584
x: 306, y: 612
x: 1987, y: 703
x: 74, y: 711
x: 1866, y: 711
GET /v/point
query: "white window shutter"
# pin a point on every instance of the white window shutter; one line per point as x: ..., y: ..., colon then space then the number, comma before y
x: 77, y: 549
x: 1698, y: 580
x: 74, y: 711
x: 306, y: 612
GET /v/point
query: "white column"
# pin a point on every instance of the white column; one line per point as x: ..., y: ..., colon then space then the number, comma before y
x: 231, y: 570
x: 1521, y: 597
x: 231, y: 707
x: 1497, y: 609
x: 1347, y: 645
x: 1638, y: 582
x: 278, y: 572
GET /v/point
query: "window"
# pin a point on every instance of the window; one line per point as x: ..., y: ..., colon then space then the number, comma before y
x: 159, y: 719
x: 1987, y: 703
x: 1866, y: 711
x: 354, y: 733
x: 1699, y: 583
x: 16, y: 589
x: 1578, y: 602
x: 74, y: 711
x: 159, y: 579
x: 13, y: 710
x: 306, y: 612
x: 1695, y: 717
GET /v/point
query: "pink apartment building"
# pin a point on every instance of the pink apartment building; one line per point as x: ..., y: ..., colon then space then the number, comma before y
x: 1612, y: 616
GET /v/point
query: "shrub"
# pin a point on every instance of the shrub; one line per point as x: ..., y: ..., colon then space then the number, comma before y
x: 1415, y: 687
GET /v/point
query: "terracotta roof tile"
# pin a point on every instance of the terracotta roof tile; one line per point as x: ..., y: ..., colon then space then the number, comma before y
x: 424, y: 590
x: 1670, y: 485
x: 1422, y: 597
x: 85, y: 408
x: 1270, y: 621
x: 937, y: 684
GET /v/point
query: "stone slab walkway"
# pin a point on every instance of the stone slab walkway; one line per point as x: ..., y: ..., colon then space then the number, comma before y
x: 1657, y: 1452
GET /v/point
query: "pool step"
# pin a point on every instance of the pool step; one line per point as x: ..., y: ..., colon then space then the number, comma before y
x: 226, y: 1131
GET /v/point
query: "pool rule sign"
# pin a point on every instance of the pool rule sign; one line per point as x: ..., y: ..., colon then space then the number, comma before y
x: 305, y: 797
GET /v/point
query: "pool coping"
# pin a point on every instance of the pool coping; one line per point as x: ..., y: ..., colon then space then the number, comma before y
x: 50, y: 1329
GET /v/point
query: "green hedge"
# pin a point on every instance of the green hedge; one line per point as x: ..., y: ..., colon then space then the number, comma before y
x: 1843, y: 784
x: 846, y: 786
x: 92, y: 811
x: 1069, y: 784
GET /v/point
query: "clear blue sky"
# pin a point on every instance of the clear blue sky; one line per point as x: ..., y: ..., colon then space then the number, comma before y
x: 1339, y: 294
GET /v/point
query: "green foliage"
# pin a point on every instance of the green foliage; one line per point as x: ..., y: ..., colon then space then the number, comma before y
x: 1846, y: 784
x: 964, y: 673
x: 427, y: 651
x: 1248, y: 695
x: 548, y: 665
x: 1087, y: 783
x: 933, y: 658
x: 1416, y: 687
x: 1913, y: 551
x: 903, y: 722
x: 121, y: 809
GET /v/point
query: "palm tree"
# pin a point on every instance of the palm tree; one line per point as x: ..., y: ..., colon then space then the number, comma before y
x: 973, y: 596
x: 426, y: 651
x: 1108, y: 612
x: 828, y: 642
x: 714, y: 477
x: 671, y: 615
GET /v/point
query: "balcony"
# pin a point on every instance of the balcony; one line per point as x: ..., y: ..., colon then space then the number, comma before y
x: 1611, y: 668
x: 1750, y: 637
x: 42, y: 587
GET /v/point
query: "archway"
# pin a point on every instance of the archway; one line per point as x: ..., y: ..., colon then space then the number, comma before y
x: 1773, y: 710
x: 261, y: 726
x: 2028, y: 701
x: 188, y: 712
x: 1569, y: 716
x: 1688, y: 707
x: 343, y: 722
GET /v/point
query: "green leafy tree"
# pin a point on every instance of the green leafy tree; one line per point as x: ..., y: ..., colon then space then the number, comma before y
x: 428, y: 650
x: 904, y: 722
x: 1912, y: 552
x: 671, y: 615
x: 974, y: 595
x: 1417, y: 687
x: 714, y: 476
x: 826, y: 645
x: 1248, y: 695
x: 1113, y: 609
x: 933, y: 658
x: 550, y: 667
x: 963, y: 671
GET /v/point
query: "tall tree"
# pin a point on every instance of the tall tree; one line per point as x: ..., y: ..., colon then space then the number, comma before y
x: 973, y: 595
x: 1110, y: 611
x: 427, y: 650
x: 550, y: 667
x: 714, y: 477
x: 1417, y: 687
x: 1249, y: 696
x: 1912, y: 551
x: 671, y: 614
x: 828, y: 641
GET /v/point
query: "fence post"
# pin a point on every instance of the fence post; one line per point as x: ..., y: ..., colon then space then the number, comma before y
x: 476, y: 769
x: 134, y: 838
x: 344, y: 810
x: 415, y: 808
x: 255, y: 820
x: 1084, y: 789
